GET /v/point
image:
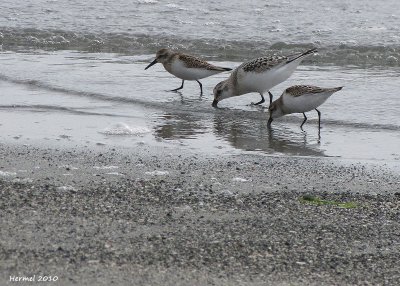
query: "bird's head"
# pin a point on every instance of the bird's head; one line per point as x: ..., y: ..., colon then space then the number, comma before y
x: 275, y: 111
x: 222, y: 91
x: 161, y: 57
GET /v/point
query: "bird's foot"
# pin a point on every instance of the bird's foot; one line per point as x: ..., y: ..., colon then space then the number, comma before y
x: 257, y: 104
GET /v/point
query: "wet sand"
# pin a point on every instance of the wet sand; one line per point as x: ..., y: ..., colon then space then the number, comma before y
x: 163, y: 216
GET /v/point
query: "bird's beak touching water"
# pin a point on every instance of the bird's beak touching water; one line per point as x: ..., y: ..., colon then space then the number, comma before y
x: 151, y: 64
x: 215, y: 103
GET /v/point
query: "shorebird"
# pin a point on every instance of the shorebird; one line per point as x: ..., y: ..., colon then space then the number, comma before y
x: 258, y: 75
x: 300, y: 99
x: 186, y: 67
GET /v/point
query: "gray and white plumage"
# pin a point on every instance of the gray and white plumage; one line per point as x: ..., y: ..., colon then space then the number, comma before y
x: 300, y: 99
x: 186, y: 67
x: 258, y: 75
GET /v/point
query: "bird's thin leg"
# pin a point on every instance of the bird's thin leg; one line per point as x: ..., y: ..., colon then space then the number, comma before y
x: 261, y: 101
x: 270, y: 97
x: 319, y: 123
x: 201, y: 87
x: 319, y: 119
x: 304, y: 121
x: 176, y: 89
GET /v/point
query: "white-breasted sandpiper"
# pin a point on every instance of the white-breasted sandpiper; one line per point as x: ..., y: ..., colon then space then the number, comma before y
x: 258, y: 75
x: 186, y: 67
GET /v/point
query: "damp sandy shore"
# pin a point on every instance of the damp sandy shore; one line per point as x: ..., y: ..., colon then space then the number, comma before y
x: 157, y: 216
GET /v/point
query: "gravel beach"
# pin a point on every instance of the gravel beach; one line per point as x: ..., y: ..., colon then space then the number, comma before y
x: 158, y: 217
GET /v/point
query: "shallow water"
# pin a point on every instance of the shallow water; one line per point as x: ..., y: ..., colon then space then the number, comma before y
x: 367, y: 33
x: 73, y: 73
x: 88, y: 99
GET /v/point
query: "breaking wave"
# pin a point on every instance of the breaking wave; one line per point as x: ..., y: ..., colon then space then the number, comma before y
x: 342, y: 54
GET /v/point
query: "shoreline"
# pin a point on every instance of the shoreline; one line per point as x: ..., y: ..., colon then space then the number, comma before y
x: 110, y: 100
x: 156, y: 216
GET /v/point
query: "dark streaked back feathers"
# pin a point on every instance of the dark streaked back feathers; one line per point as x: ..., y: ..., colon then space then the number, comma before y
x: 299, y: 90
x: 194, y: 62
x: 263, y: 63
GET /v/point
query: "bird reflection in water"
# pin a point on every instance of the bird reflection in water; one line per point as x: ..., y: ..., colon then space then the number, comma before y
x: 254, y: 135
x: 246, y: 131
x: 179, y: 126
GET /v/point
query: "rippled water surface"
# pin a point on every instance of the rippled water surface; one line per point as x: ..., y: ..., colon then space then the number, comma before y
x: 73, y: 72
x: 363, y: 22
x: 347, y: 32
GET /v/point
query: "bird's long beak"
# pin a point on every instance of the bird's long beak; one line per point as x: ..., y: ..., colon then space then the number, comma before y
x: 151, y: 64
x: 269, y: 122
x: 215, y: 103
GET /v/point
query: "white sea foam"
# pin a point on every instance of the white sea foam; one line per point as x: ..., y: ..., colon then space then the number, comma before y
x: 124, y: 129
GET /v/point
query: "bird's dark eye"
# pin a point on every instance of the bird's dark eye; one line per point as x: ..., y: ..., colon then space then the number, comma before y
x: 219, y: 92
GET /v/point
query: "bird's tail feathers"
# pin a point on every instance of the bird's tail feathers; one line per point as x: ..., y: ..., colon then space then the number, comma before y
x: 337, y: 88
x: 220, y: 69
